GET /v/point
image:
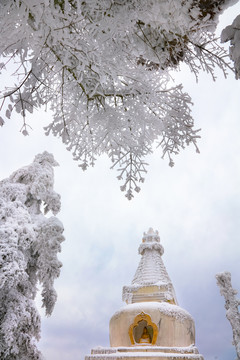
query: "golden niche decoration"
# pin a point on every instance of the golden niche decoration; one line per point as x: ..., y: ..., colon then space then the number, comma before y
x: 143, y: 331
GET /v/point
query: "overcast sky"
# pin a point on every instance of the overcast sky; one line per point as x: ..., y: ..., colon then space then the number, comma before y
x: 195, y: 206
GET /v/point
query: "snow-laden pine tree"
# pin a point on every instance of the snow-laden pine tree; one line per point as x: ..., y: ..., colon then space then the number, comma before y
x: 103, y: 67
x: 29, y: 243
x: 231, y: 306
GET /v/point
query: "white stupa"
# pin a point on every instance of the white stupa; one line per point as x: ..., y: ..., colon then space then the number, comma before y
x: 151, y: 326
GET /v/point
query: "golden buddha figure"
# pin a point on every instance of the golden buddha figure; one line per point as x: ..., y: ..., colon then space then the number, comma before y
x: 145, y: 338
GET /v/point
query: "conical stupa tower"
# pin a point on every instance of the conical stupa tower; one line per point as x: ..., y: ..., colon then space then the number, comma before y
x: 151, y: 326
x: 151, y: 281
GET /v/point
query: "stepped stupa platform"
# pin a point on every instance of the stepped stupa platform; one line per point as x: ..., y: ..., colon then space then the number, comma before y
x: 152, y: 325
x: 148, y: 352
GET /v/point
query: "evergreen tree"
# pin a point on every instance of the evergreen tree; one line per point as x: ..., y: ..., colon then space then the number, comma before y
x: 29, y: 243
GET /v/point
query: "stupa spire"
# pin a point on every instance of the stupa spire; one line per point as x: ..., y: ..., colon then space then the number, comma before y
x: 151, y: 281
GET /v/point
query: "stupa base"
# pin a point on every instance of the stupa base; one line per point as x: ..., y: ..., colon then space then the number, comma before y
x: 145, y: 353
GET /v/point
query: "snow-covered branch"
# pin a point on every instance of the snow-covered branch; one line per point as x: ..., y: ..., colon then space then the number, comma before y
x: 231, y: 306
x: 232, y: 33
x: 104, y: 69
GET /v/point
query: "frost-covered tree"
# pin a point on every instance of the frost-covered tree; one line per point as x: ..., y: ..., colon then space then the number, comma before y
x: 231, y: 306
x: 232, y: 33
x: 103, y: 67
x: 29, y: 243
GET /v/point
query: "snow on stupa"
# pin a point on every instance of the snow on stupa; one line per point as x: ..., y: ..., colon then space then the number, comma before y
x: 151, y: 326
x: 151, y: 281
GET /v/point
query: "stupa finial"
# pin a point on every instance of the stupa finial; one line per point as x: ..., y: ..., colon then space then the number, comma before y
x: 151, y: 236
